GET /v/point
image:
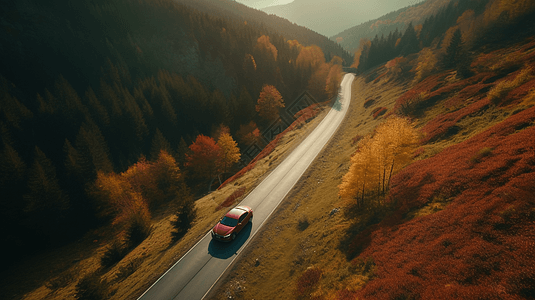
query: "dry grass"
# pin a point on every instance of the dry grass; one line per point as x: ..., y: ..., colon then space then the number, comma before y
x: 273, y: 274
x: 54, y: 275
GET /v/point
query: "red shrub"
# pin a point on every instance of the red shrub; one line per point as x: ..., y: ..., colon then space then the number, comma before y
x: 307, y: 282
x: 346, y: 295
x: 418, y: 152
x: 379, y: 111
x: 516, y: 95
x: 444, y: 124
x: 368, y: 103
x: 356, y: 139
x: 431, y: 83
x: 379, y: 77
x: 481, y: 245
x: 466, y: 93
x: 232, y: 198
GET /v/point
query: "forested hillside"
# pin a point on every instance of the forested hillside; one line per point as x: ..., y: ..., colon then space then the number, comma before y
x: 272, y: 23
x: 350, y: 39
x: 93, y: 89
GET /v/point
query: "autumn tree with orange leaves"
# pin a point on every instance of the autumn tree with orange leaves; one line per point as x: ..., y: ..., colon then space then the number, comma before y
x: 203, y: 160
x: 269, y: 103
x: 377, y: 159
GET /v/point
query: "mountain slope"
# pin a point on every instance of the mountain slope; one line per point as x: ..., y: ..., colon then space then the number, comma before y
x: 350, y: 38
x: 271, y: 23
x: 93, y: 87
x: 331, y: 17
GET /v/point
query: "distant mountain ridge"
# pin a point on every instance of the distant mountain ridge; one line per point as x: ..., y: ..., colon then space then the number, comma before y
x: 350, y: 38
x: 330, y: 17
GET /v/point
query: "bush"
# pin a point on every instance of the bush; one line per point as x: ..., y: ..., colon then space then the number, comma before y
x: 379, y: 112
x: 91, y: 287
x: 497, y: 94
x: 356, y: 139
x: 113, y: 254
x: 232, y: 198
x: 363, y: 267
x: 128, y: 269
x: 369, y: 103
x: 185, y: 215
x: 139, y: 228
x: 303, y: 223
x: 486, y: 151
x: 307, y: 282
x: 61, y: 281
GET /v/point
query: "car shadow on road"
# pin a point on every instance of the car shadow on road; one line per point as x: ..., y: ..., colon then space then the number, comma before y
x: 225, y: 250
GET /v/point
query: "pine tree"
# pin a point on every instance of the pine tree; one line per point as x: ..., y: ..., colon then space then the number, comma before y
x: 12, y: 182
x: 92, y: 151
x: 98, y: 111
x: 45, y: 202
x: 181, y: 153
x: 11, y: 108
x: 453, y: 52
x: 409, y: 42
x: 159, y: 143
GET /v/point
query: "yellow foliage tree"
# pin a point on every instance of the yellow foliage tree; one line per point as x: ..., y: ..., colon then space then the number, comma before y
x: 230, y: 153
x: 334, y: 79
x: 310, y: 57
x: 317, y: 82
x: 144, y: 184
x: 337, y: 60
x: 378, y: 158
x: 264, y: 45
x: 359, y: 177
x: 427, y: 63
x: 117, y: 199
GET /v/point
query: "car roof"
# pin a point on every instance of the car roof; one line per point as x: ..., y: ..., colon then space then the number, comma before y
x: 236, y: 212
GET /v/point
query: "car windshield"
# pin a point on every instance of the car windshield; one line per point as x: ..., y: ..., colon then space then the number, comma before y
x: 229, y: 222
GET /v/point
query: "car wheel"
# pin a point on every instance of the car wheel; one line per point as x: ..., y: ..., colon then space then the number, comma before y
x: 233, y: 236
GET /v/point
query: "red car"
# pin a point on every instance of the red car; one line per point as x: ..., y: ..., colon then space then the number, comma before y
x: 232, y: 223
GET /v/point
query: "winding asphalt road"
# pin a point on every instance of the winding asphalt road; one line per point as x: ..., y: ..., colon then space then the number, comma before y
x: 202, y: 266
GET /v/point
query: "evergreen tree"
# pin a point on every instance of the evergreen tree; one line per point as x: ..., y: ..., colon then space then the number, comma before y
x: 453, y: 52
x: 159, y: 143
x: 12, y: 182
x: 93, y: 153
x: 409, y: 42
x: 45, y: 202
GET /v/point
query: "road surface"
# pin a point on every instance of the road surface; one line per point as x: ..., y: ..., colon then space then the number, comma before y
x: 200, y: 268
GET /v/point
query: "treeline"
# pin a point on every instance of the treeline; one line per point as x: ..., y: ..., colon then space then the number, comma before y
x: 96, y: 87
x: 430, y: 33
x: 273, y: 24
